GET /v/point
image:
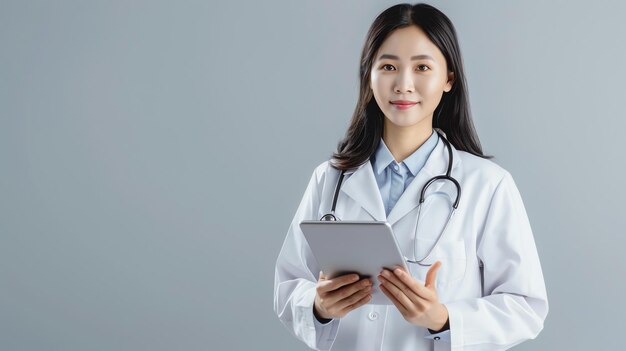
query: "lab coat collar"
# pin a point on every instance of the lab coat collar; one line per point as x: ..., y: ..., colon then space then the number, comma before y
x: 362, y: 187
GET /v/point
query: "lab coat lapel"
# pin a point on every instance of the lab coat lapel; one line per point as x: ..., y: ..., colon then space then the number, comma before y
x: 437, y: 164
x: 362, y: 187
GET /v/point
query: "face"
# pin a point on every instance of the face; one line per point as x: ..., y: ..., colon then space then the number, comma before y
x: 409, y: 67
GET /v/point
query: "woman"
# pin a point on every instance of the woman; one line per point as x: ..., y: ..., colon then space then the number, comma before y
x: 478, y: 287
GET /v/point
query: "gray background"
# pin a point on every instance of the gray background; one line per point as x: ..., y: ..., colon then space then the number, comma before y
x: 153, y: 154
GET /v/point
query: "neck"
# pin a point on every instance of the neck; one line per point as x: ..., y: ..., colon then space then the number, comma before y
x: 403, y: 141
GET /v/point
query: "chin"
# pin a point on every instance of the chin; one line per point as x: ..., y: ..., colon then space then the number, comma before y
x: 404, y: 122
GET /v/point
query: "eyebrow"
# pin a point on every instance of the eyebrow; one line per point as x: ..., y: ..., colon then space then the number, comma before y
x: 417, y: 57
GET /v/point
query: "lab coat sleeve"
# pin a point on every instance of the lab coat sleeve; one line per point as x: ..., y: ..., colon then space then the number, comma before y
x: 514, y: 303
x: 296, y: 276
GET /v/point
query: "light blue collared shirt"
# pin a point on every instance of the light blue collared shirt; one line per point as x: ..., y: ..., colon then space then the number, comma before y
x: 393, y: 177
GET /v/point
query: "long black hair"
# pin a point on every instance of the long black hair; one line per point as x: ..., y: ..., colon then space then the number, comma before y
x: 453, y: 112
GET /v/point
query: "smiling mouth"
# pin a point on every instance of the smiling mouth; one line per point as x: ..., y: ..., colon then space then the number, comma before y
x: 404, y: 106
x: 407, y: 103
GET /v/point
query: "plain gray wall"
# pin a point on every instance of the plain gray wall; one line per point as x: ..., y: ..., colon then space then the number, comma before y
x: 153, y: 154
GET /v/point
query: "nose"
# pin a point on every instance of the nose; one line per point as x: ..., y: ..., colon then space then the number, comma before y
x: 404, y: 83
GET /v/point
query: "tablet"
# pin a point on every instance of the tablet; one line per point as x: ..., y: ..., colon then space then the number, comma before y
x: 365, y: 248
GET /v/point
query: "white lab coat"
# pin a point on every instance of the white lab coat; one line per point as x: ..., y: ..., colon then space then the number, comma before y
x: 490, y: 280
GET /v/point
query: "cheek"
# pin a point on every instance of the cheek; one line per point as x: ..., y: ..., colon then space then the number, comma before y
x: 431, y: 90
x: 380, y: 89
x: 430, y: 87
x: 378, y: 83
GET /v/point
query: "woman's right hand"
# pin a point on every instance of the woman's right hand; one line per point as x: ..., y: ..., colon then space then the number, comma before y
x: 336, y: 297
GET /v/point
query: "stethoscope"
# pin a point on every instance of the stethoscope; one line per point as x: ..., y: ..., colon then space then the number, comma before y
x: 331, y: 216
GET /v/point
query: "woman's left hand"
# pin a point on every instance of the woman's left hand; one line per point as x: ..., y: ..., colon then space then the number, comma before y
x: 418, y: 303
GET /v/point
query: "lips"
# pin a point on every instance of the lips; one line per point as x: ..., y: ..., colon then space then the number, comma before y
x: 403, y: 102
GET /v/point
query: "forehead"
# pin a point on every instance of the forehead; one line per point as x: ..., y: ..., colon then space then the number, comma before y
x: 407, y: 42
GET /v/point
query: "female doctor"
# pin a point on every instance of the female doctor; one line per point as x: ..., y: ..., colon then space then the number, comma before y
x: 474, y: 281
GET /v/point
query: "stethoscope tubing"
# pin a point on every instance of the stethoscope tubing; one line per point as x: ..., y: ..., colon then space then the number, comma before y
x: 331, y: 216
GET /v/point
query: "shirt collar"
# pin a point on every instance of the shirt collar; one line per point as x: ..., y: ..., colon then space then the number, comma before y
x: 415, y: 162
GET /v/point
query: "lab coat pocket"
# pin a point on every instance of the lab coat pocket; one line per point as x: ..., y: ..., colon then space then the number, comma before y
x: 452, y: 255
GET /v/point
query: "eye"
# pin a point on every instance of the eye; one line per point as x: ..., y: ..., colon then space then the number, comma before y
x: 427, y: 68
x: 385, y: 65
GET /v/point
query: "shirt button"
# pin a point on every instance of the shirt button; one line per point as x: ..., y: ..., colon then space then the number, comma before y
x: 436, y: 338
x: 396, y: 167
x: 372, y: 316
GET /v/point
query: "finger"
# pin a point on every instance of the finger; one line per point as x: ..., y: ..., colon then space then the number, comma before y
x: 394, y: 279
x: 357, y: 304
x: 321, y: 276
x: 431, y: 276
x: 337, y: 282
x: 352, y: 299
x: 398, y: 294
x: 394, y: 300
x: 333, y: 297
x: 415, y: 286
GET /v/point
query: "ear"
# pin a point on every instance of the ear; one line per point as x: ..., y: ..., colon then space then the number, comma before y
x: 450, y: 82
